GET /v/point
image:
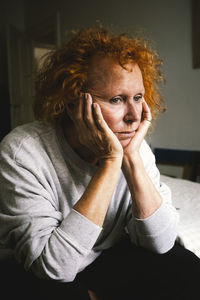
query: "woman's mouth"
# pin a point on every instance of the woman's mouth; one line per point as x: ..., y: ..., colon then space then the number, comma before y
x: 123, y: 135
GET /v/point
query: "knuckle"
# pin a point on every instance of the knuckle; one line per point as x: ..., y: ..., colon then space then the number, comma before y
x: 87, y: 119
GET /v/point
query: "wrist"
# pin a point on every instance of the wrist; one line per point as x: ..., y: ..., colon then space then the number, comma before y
x: 132, y: 159
x: 131, y: 165
x: 111, y: 162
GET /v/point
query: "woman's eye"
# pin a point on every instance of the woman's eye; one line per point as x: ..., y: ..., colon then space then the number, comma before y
x: 116, y: 100
x: 138, y: 97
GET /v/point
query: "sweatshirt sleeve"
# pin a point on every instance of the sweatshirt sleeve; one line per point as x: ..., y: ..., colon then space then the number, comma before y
x: 43, y: 239
x: 66, y: 248
x: 157, y: 232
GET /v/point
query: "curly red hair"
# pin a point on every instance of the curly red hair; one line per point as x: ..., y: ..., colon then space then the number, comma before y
x: 64, y: 73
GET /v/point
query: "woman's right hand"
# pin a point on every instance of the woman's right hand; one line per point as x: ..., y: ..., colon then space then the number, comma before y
x: 92, y: 130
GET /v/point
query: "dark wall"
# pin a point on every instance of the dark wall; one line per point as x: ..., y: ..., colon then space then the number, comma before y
x: 4, y: 91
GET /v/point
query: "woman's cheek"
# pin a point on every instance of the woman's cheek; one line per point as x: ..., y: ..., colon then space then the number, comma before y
x: 112, y: 117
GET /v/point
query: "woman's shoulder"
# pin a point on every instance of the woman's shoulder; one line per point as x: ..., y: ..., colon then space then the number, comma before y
x: 145, y: 149
x: 28, y: 130
x: 147, y: 154
x: 28, y: 136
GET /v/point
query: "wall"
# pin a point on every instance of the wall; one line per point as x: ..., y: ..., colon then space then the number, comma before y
x: 168, y: 23
x: 4, y: 97
x: 11, y: 12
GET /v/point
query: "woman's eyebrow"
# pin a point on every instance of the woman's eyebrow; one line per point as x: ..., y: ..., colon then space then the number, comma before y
x: 98, y: 94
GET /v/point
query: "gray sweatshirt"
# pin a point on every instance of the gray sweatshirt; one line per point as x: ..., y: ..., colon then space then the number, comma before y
x: 41, y: 178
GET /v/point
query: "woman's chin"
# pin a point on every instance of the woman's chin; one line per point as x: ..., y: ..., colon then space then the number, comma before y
x: 125, y: 142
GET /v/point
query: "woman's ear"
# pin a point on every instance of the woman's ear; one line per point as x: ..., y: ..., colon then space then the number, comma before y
x: 71, y: 106
x: 70, y: 109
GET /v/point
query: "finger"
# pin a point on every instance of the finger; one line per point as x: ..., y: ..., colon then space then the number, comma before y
x: 79, y: 111
x: 146, y: 113
x: 74, y: 109
x: 77, y: 116
x: 99, y: 120
x: 145, y: 123
x: 87, y: 111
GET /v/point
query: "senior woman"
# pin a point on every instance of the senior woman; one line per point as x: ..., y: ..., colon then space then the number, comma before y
x: 82, y: 205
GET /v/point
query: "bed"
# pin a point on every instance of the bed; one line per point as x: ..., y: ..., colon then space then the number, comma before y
x: 186, y: 199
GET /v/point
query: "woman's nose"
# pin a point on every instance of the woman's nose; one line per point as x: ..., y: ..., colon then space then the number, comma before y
x: 132, y: 112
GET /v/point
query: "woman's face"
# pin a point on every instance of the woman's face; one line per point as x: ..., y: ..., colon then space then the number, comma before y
x: 119, y: 93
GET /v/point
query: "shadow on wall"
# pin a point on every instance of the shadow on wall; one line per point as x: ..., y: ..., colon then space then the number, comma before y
x: 4, y: 112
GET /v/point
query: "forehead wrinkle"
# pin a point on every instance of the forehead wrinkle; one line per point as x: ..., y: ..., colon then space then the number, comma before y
x: 105, y: 73
x: 100, y: 67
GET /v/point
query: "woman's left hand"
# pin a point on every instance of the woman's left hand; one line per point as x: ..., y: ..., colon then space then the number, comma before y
x: 145, y: 197
x: 134, y: 146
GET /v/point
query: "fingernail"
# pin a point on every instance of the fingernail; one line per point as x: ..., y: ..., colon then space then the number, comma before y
x: 94, y: 105
x: 87, y: 96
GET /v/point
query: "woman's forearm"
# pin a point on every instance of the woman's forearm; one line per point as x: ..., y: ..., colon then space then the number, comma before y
x: 95, y: 201
x: 145, y: 197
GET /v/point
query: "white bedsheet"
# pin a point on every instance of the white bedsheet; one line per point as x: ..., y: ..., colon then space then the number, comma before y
x: 186, y: 198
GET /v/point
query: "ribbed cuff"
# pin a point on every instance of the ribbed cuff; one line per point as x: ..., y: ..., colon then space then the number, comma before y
x: 156, y: 223
x: 80, y: 229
